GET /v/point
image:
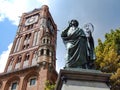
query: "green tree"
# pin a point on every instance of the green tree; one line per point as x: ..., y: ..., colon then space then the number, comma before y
x: 49, y: 86
x: 115, y: 80
x: 108, y: 56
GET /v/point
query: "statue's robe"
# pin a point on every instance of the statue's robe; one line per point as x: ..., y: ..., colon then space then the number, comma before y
x: 77, y: 47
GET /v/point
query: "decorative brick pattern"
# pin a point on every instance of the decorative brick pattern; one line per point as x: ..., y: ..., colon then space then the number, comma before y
x: 32, y: 63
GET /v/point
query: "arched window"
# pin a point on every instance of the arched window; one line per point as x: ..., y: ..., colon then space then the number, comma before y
x: 27, y: 46
x: 47, y: 41
x: 43, y: 40
x: 42, y: 52
x: 19, y: 59
x: 27, y: 41
x: 32, y: 81
x: 14, y: 86
x: 29, y: 35
x: 27, y: 57
x: 24, y: 47
x: 12, y: 83
x: 48, y: 52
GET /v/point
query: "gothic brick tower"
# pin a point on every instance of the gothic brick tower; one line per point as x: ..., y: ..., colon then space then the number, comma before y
x: 32, y: 60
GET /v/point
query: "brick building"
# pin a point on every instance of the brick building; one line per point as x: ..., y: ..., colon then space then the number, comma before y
x: 32, y: 60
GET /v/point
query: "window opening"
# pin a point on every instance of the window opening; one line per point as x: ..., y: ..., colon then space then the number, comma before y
x: 32, y: 81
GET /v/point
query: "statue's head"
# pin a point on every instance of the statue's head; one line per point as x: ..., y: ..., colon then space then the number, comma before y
x: 74, y: 23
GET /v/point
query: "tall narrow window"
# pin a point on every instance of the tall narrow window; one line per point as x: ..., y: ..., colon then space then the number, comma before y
x: 27, y: 38
x: 35, y: 38
x: 27, y: 41
x: 14, y: 86
x: 47, y: 41
x: 48, y: 52
x: 35, y: 57
x: 27, y: 57
x: 26, y: 60
x: 16, y: 46
x: 24, y: 46
x: 43, y: 40
x: 42, y: 52
x: 19, y: 59
x: 38, y: 36
x: 27, y: 46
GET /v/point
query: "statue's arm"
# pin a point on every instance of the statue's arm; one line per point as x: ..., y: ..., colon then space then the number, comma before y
x: 64, y: 32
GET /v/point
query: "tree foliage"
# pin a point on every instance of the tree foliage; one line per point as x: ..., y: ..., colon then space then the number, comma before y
x: 108, y: 56
x: 49, y: 86
x: 115, y: 80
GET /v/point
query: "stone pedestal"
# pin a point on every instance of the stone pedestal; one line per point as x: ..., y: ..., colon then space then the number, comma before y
x: 82, y: 79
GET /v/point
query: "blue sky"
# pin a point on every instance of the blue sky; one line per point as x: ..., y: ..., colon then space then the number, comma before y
x: 103, y: 14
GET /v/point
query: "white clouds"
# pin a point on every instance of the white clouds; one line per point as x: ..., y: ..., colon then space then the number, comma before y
x: 12, y: 9
x: 46, y: 2
x: 1, y: 17
x: 4, y: 57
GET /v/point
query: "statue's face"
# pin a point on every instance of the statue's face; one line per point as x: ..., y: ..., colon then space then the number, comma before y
x: 74, y: 23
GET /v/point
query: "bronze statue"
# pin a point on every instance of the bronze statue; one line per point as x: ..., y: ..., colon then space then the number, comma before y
x: 80, y: 46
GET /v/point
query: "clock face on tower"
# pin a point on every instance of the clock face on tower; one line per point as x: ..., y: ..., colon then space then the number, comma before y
x: 31, y: 20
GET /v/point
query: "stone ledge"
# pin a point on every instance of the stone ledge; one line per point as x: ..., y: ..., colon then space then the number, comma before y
x: 81, y: 75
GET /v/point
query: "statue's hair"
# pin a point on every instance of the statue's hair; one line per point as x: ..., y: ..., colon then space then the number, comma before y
x: 76, y: 22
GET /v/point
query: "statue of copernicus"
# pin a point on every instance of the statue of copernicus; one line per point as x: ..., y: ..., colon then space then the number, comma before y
x: 80, y: 46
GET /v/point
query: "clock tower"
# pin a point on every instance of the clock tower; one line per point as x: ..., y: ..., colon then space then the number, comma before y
x: 32, y: 60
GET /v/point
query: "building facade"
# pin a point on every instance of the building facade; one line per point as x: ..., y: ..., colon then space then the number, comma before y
x: 32, y: 60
